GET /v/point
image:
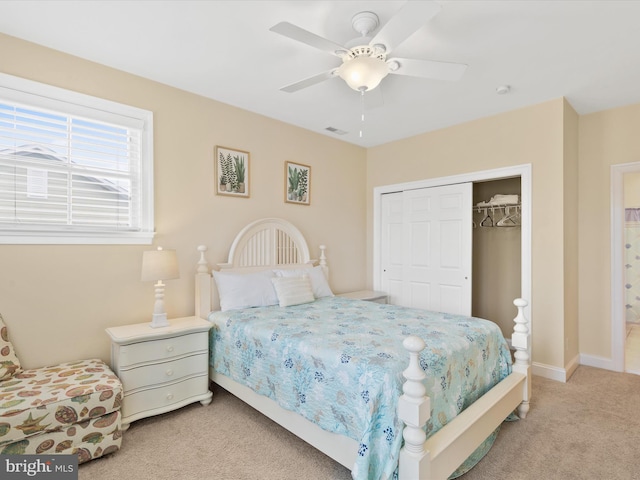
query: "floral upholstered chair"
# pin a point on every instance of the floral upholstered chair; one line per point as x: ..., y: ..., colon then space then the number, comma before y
x: 71, y: 408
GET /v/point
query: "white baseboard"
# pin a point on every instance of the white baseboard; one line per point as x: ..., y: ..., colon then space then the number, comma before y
x: 598, y: 362
x: 563, y: 374
x: 547, y: 371
x: 556, y: 373
x: 550, y: 372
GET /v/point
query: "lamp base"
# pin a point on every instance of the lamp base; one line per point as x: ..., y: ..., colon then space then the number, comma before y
x: 159, y: 320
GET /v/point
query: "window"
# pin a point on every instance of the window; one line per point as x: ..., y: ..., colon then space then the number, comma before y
x: 73, y: 168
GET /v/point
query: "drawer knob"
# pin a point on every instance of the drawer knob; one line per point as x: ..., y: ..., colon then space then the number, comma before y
x: 169, y: 396
x: 169, y: 348
x: 169, y: 372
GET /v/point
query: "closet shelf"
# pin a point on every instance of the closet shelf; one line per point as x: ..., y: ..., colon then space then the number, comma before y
x: 480, y: 209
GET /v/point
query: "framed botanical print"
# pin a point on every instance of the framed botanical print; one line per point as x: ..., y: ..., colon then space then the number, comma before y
x: 232, y: 172
x: 297, y: 183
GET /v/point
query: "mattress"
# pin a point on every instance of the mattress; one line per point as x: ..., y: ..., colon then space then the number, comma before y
x: 338, y: 362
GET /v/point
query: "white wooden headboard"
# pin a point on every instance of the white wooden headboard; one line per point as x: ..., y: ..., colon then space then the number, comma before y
x: 264, y: 244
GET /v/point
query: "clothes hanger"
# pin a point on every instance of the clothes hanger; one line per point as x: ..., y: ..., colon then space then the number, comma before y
x: 509, y: 219
x: 486, y: 218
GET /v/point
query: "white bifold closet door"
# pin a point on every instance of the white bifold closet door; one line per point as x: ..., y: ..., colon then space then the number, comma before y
x: 426, y: 248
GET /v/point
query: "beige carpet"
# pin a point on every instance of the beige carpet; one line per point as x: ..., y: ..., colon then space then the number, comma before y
x: 588, y: 428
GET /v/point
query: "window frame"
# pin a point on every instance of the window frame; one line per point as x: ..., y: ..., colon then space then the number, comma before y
x: 67, y: 102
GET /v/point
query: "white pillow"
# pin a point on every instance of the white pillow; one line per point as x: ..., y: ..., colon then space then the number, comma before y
x: 245, y: 290
x: 319, y: 283
x: 293, y: 290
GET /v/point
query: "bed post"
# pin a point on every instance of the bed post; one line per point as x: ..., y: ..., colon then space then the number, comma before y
x: 203, y: 285
x: 520, y: 341
x: 414, y: 409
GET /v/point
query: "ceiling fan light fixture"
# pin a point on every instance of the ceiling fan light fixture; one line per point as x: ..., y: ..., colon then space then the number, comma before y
x: 378, y: 49
x: 363, y: 73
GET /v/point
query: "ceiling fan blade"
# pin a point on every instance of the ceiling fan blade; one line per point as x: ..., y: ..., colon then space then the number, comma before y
x: 403, y: 24
x: 428, y: 69
x: 301, y: 35
x: 308, y: 82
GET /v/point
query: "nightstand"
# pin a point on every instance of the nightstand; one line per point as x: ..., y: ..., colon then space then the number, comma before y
x: 368, y: 295
x: 161, y: 369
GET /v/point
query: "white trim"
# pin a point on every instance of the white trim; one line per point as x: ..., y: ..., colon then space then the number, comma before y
x: 62, y: 238
x: 556, y: 373
x: 16, y: 88
x: 549, y: 371
x: 523, y: 171
x: 596, y: 361
x: 57, y: 99
x: 618, y: 333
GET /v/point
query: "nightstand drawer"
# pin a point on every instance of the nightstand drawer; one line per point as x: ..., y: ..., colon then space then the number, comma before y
x: 161, y: 369
x: 144, y: 402
x: 165, y: 348
x: 159, y: 373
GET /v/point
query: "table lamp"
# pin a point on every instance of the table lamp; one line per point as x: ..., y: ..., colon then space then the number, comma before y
x: 159, y: 265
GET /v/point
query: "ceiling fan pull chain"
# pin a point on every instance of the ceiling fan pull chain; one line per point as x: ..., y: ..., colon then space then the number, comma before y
x: 362, y: 112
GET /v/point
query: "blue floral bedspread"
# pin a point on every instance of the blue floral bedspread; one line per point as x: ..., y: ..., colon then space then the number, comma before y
x: 339, y: 362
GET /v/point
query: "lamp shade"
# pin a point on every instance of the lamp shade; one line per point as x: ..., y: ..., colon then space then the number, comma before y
x: 363, y: 73
x: 159, y: 265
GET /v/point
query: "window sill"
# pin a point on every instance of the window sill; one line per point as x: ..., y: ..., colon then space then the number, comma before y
x: 75, y: 238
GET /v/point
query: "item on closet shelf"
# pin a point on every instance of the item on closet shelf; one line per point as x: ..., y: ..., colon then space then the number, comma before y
x: 500, y: 199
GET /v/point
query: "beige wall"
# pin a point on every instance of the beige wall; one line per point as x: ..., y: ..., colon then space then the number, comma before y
x: 57, y: 300
x: 532, y: 135
x: 570, y: 233
x: 606, y: 138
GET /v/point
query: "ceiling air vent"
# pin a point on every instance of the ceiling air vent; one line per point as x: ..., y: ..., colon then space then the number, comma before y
x: 337, y: 131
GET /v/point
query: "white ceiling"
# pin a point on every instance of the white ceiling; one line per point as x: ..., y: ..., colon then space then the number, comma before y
x: 586, y: 51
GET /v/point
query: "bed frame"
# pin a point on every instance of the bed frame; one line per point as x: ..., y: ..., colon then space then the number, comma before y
x: 275, y: 243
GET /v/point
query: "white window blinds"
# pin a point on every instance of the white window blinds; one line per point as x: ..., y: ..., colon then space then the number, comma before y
x: 73, y: 169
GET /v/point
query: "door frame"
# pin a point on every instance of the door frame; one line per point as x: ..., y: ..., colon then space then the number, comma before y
x: 522, y: 171
x: 618, y: 333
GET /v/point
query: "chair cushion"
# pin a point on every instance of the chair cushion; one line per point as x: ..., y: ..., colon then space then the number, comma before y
x: 90, y: 439
x: 45, y: 399
x: 9, y: 363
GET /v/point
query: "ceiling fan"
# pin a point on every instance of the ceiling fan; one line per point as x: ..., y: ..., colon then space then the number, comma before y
x: 365, y: 60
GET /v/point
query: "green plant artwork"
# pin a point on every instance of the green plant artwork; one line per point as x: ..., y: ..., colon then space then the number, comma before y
x: 297, y: 183
x: 232, y: 172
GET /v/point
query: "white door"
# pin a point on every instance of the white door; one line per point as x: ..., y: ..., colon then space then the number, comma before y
x: 426, y: 248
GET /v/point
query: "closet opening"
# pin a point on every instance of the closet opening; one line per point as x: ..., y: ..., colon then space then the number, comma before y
x: 497, y: 287
x: 497, y: 250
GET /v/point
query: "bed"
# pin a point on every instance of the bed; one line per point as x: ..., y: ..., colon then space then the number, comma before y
x: 395, y: 428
